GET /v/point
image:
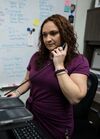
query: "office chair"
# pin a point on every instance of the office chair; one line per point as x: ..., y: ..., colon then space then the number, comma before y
x: 83, y: 129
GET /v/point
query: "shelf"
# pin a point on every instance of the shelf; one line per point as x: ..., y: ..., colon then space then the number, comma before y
x: 92, y: 33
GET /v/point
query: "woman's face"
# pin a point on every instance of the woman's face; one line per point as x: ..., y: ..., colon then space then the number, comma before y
x: 51, y: 35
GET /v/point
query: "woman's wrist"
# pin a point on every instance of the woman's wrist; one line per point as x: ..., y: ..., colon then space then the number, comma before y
x: 61, y: 71
x: 18, y: 93
x: 59, y: 67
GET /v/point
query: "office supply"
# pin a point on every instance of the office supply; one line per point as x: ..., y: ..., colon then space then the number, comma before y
x: 14, y: 114
x: 30, y: 131
x: 30, y: 30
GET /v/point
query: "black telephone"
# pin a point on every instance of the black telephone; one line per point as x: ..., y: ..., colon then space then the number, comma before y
x: 63, y: 46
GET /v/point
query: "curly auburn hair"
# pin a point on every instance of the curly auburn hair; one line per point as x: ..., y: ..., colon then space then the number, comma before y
x: 67, y: 36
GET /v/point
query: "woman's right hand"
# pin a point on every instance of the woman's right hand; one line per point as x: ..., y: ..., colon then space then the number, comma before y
x: 59, y: 55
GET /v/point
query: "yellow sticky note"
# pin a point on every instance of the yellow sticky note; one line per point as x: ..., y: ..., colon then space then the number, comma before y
x: 36, y: 22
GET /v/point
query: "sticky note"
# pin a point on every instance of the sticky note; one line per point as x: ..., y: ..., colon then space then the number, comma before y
x: 36, y: 22
x: 68, y: 3
x: 66, y: 9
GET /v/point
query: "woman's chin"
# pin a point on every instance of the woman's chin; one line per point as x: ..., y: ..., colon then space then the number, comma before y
x: 52, y: 48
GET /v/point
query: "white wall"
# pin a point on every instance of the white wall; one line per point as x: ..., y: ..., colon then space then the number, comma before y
x: 81, y: 12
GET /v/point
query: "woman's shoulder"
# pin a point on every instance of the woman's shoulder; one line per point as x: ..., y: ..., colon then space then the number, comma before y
x: 33, y: 59
x: 79, y: 58
x: 79, y: 64
x: 34, y: 56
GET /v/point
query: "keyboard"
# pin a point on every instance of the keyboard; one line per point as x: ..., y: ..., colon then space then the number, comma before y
x: 29, y: 131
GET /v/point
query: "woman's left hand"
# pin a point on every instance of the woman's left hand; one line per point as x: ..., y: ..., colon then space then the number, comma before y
x: 59, y: 55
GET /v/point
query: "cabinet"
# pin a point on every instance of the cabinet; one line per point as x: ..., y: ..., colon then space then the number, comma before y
x: 92, y: 43
x: 92, y: 33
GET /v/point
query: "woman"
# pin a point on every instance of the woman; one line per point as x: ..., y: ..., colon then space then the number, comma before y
x: 58, y: 78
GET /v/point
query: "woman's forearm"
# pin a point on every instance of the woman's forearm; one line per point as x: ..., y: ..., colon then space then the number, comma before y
x: 22, y: 89
x: 71, y: 88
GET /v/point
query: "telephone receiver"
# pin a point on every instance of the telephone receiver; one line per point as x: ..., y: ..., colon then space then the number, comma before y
x: 63, y: 46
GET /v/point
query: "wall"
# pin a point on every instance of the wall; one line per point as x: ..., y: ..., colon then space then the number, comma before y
x: 80, y: 21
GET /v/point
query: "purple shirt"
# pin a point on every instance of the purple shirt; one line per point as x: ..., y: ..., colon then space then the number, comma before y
x: 46, y: 101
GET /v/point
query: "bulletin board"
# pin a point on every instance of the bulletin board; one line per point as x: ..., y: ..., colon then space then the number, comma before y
x: 17, y: 19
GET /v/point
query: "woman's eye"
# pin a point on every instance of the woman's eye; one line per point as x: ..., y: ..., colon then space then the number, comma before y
x: 44, y: 34
x: 53, y: 33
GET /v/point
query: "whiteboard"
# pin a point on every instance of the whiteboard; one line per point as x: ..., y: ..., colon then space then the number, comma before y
x: 16, y: 46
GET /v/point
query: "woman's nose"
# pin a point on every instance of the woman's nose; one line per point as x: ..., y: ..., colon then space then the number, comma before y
x: 48, y: 37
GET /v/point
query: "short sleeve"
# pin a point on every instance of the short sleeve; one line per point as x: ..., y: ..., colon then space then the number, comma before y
x: 80, y: 65
x: 32, y: 61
